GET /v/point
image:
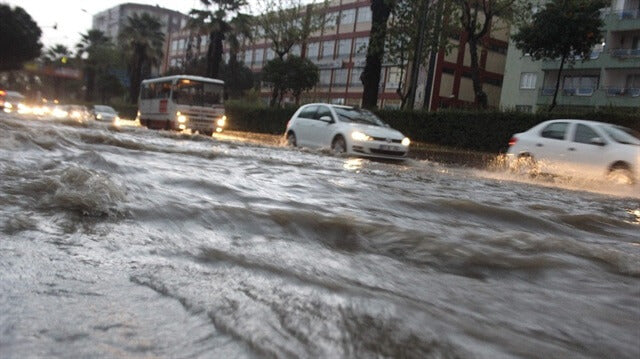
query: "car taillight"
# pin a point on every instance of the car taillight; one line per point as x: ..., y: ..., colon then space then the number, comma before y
x: 513, y: 141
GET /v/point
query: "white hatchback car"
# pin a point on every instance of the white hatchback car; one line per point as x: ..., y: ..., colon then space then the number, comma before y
x: 577, y: 148
x: 345, y: 129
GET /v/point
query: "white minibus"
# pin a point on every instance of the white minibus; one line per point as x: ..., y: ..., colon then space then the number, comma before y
x: 182, y: 102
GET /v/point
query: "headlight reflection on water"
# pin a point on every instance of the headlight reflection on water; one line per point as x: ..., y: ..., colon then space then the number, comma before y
x: 353, y: 164
x: 636, y: 214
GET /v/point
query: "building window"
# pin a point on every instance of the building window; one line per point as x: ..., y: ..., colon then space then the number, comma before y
x: 270, y: 54
x: 361, y: 46
x: 181, y: 44
x: 394, y: 78
x: 312, y: 50
x: 327, y: 49
x: 528, y: 80
x: 332, y: 20
x: 348, y: 16
x: 355, y: 76
x: 257, y: 60
x: 580, y: 85
x: 174, y: 46
x: 247, y: 57
x: 524, y: 108
x: 325, y: 77
x: 340, y: 77
x: 344, y: 47
x: 364, y: 14
x: 295, y: 50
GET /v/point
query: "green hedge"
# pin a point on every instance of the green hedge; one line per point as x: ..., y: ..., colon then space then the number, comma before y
x: 482, y: 130
x: 256, y: 118
x: 487, y: 131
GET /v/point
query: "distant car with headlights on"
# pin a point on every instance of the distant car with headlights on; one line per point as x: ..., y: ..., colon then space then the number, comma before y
x: 105, y: 113
x: 577, y: 148
x: 345, y: 129
x: 12, y: 101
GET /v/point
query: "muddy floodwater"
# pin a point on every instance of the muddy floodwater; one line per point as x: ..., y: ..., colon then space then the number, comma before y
x: 130, y: 243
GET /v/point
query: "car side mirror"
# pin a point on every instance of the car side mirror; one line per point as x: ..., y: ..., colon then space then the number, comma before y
x: 326, y: 119
x: 597, y: 141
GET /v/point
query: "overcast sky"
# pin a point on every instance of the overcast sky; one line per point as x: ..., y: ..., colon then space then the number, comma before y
x: 73, y: 17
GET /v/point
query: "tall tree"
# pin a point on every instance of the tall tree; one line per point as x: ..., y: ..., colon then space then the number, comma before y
x: 562, y: 29
x: 215, y: 22
x: 142, y: 40
x: 287, y: 23
x: 475, y: 19
x: 91, y: 49
x: 414, y: 31
x: 57, y: 54
x: 19, y: 38
x: 380, y: 12
x: 293, y: 74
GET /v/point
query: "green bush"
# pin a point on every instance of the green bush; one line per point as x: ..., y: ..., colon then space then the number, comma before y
x: 487, y: 131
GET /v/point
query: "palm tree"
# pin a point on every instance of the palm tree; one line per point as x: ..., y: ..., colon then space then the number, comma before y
x: 216, y: 25
x: 142, y: 40
x: 90, y: 45
x: 57, y: 53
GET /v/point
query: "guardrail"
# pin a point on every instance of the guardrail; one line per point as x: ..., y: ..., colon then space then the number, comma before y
x: 590, y: 91
x: 627, y: 14
x: 625, y: 53
x: 621, y: 91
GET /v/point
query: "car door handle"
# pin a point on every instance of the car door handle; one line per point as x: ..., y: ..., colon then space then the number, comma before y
x: 539, y: 145
x: 571, y: 148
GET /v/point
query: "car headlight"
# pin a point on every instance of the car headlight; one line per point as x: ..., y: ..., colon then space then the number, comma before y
x: 99, y: 117
x: 182, y: 118
x: 359, y: 136
x: 222, y: 121
x: 406, y: 141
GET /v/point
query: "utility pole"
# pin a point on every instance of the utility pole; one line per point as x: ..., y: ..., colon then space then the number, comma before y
x: 417, y: 56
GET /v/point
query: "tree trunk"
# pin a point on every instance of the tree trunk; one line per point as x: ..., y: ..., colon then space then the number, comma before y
x: 480, y: 95
x: 91, y: 82
x: 214, y: 54
x: 136, y: 75
x: 555, y: 92
x: 380, y: 11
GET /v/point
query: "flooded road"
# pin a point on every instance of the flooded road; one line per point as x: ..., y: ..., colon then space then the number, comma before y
x: 137, y: 243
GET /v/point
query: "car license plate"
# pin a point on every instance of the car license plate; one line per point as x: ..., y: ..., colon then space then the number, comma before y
x: 389, y: 148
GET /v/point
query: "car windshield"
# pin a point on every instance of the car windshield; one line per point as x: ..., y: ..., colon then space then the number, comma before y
x: 105, y: 109
x: 189, y: 92
x: 622, y: 134
x: 351, y: 114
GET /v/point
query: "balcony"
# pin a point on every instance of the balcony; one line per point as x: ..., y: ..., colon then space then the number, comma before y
x: 580, y: 97
x: 623, y: 20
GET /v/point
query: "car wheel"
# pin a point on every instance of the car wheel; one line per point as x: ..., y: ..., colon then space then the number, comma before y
x: 207, y: 133
x: 620, y: 173
x: 291, y: 139
x: 525, y: 164
x: 339, y: 145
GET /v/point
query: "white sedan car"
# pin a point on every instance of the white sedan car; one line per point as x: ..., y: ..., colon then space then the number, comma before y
x: 345, y: 129
x: 577, y: 148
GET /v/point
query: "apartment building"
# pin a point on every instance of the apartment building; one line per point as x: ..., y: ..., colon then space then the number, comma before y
x: 611, y: 76
x: 339, y: 51
x: 113, y: 20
